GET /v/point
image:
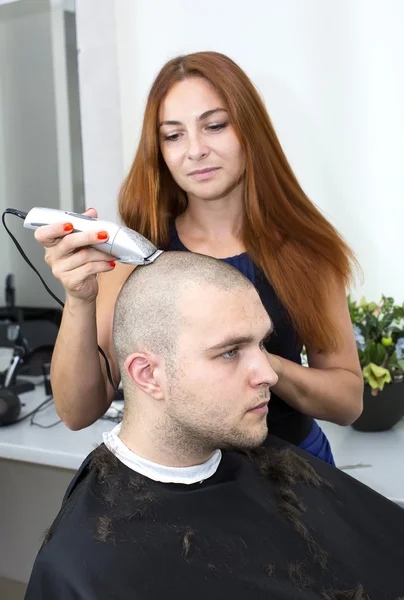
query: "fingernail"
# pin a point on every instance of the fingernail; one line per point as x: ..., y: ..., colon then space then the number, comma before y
x: 102, y: 235
x: 67, y: 227
x: 112, y: 263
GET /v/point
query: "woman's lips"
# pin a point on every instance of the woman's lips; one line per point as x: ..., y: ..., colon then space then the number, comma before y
x: 204, y: 173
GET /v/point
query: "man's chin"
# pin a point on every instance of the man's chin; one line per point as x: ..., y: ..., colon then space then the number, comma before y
x: 243, y: 441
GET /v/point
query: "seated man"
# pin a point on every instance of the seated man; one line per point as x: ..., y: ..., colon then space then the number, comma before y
x: 183, y: 501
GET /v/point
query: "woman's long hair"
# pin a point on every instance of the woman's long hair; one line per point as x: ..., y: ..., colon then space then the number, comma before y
x: 287, y: 237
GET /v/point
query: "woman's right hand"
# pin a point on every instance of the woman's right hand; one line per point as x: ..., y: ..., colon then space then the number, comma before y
x: 72, y: 262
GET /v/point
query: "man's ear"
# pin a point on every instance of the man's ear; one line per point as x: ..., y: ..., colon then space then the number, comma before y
x: 145, y: 370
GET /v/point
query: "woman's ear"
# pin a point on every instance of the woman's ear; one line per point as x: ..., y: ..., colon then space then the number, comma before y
x: 144, y: 370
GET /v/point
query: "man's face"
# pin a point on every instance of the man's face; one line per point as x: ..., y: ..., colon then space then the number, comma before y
x: 218, y: 392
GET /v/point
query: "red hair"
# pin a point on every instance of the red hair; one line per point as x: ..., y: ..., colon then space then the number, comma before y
x: 287, y: 237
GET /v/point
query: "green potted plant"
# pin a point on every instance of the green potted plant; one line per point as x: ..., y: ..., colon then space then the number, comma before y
x: 379, y: 334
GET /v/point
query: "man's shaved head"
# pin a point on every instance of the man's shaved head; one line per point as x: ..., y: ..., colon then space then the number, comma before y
x: 147, y: 311
x: 189, y: 334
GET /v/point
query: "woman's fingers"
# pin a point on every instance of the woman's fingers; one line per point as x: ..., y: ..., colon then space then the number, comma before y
x: 78, y: 280
x: 80, y: 239
x: 91, y: 212
x: 51, y: 235
x: 77, y: 259
x: 72, y: 257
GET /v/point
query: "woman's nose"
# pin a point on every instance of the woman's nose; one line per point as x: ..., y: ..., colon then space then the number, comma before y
x: 197, y: 150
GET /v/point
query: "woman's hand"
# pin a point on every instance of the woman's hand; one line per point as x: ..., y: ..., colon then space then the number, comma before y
x: 72, y: 262
x: 331, y: 389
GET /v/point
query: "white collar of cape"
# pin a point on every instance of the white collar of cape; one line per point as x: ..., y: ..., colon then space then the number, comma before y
x: 156, y: 472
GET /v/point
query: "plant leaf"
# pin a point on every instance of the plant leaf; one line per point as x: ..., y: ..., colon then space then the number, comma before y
x: 377, y: 353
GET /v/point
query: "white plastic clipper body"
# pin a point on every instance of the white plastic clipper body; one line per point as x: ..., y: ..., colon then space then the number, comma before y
x: 126, y: 245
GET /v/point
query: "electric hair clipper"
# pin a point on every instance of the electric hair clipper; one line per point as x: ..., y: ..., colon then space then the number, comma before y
x: 126, y: 245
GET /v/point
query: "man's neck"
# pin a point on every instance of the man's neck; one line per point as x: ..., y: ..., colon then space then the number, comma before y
x: 162, y: 445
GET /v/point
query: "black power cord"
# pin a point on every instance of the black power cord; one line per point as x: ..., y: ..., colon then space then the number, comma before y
x: 39, y: 409
x: 36, y: 410
x: 21, y: 214
x: 117, y: 417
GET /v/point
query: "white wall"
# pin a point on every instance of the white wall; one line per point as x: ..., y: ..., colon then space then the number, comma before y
x: 100, y: 109
x: 331, y: 76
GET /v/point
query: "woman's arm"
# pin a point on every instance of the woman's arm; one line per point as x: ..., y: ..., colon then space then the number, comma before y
x: 80, y: 385
x: 92, y: 281
x: 331, y: 389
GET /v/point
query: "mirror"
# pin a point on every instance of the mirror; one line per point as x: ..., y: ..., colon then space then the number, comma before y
x: 40, y: 131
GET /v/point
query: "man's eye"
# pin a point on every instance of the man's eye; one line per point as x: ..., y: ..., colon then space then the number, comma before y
x: 230, y: 353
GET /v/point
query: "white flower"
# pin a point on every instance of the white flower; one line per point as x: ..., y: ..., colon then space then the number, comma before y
x: 360, y: 340
x: 400, y: 348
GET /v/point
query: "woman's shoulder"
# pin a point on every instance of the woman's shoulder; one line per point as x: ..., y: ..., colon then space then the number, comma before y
x: 119, y: 275
x: 110, y: 284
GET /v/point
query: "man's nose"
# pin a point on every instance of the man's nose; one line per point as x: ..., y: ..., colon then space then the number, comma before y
x: 262, y: 372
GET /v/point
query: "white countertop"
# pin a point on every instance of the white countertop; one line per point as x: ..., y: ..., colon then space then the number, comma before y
x: 57, y: 446
x: 376, y: 459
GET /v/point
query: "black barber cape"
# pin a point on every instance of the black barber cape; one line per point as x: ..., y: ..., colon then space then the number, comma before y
x: 121, y: 536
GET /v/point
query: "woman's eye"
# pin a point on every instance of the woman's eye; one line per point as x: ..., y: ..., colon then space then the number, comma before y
x: 230, y: 353
x: 217, y: 126
x: 171, y: 137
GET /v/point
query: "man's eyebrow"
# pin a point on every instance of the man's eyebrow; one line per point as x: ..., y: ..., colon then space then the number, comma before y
x: 237, y: 340
x: 201, y: 117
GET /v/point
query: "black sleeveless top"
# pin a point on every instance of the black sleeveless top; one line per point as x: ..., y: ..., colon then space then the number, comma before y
x: 284, y: 421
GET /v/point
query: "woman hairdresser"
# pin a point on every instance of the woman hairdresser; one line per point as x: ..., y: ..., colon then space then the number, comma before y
x: 210, y: 176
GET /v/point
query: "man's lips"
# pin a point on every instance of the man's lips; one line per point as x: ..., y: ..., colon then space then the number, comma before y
x: 260, y: 408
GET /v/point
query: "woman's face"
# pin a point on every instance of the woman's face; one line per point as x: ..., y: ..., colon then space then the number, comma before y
x: 198, y: 141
